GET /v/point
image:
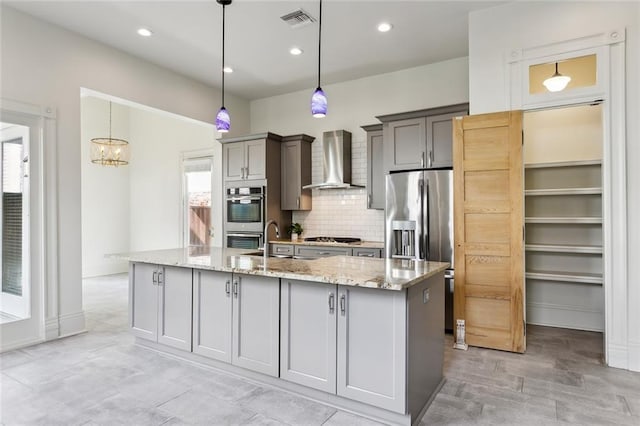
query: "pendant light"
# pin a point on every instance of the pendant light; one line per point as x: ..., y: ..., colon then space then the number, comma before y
x: 223, y: 120
x: 557, y: 82
x: 109, y: 151
x: 319, y: 99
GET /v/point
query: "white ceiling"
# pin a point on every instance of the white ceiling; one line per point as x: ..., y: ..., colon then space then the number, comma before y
x: 187, y: 37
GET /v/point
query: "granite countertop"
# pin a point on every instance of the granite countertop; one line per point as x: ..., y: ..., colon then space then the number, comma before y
x: 389, y: 274
x: 301, y: 241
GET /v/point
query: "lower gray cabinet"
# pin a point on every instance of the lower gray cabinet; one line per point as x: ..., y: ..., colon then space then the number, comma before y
x: 371, y: 356
x: 160, y: 300
x: 308, y: 334
x: 367, y: 252
x: 236, y: 319
x: 212, y: 307
x: 345, y: 340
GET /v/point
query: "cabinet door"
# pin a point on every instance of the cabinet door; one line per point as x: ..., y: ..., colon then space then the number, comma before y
x: 308, y: 330
x: 174, y: 313
x: 143, y: 300
x: 371, y: 346
x: 256, y: 320
x: 290, y: 181
x: 233, y: 160
x: 367, y: 252
x: 440, y: 139
x: 314, y: 252
x: 212, y: 314
x: 375, y: 171
x: 255, y: 159
x: 406, y: 146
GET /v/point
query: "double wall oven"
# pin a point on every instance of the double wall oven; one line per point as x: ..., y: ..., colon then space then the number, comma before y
x: 244, y: 216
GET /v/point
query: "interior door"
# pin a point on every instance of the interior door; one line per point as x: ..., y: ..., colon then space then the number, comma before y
x: 488, y: 217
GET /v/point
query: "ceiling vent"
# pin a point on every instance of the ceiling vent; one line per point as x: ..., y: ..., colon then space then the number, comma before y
x: 298, y: 18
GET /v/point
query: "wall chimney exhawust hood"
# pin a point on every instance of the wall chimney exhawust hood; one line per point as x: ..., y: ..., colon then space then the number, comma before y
x: 336, y: 161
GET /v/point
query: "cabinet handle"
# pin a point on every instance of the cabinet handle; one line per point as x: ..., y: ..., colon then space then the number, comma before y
x: 227, y: 288
x: 430, y: 158
x: 368, y: 201
x: 241, y: 172
x: 298, y: 201
x: 160, y: 278
x: 331, y: 303
x: 155, y: 277
x: 422, y: 159
x: 365, y: 254
x: 324, y: 253
x: 235, y: 288
x: 246, y: 172
x: 343, y: 304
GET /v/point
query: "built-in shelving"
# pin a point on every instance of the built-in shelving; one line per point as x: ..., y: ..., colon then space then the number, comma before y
x: 564, y: 220
x: 563, y: 248
x: 584, y: 278
x: 562, y: 164
x: 563, y: 191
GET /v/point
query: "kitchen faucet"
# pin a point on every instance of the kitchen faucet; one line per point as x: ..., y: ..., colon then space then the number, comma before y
x: 266, y: 238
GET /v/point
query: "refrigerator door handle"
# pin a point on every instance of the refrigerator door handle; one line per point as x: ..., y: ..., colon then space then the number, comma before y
x: 420, y: 236
x: 427, y: 230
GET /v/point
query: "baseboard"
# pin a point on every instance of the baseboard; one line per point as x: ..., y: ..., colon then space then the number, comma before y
x: 564, y: 316
x: 51, y: 328
x: 71, y: 324
x: 634, y: 355
x: 110, y: 268
x: 618, y: 356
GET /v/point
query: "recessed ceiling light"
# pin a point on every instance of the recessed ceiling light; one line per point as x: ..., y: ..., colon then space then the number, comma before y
x: 227, y: 69
x: 295, y: 51
x: 383, y: 27
x: 145, y: 32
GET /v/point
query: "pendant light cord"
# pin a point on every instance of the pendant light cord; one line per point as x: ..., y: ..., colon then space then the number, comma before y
x: 223, y: 18
x: 110, y: 122
x: 319, y: 41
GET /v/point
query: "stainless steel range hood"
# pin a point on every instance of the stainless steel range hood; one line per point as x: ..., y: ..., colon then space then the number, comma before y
x: 336, y: 161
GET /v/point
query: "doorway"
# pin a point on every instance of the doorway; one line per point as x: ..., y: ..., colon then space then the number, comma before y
x: 197, y: 178
x: 564, y: 267
x: 15, y: 297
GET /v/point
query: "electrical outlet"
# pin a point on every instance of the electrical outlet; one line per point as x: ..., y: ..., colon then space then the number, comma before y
x: 425, y: 295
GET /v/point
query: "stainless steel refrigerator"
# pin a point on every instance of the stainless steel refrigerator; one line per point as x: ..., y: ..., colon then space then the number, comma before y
x: 419, y: 222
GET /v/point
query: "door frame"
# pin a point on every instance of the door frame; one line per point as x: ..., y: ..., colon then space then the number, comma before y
x: 44, y: 321
x: 611, y: 89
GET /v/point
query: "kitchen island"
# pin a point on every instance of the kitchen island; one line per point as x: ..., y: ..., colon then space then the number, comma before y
x: 361, y: 334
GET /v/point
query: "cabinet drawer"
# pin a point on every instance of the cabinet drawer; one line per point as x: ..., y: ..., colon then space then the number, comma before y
x: 281, y: 249
x: 315, y: 252
x: 367, y: 252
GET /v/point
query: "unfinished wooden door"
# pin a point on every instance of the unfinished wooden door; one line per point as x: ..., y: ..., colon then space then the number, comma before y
x: 489, y: 225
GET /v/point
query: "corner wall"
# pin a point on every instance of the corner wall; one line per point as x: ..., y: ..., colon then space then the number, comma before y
x: 527, y: 24
x: 43, y: 64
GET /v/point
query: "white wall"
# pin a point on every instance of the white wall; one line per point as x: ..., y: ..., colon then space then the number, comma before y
x: 353, y: 104
x: 105, y: 191
x: 45, y: 65
x: 530, y: 24
x: 156, y: 178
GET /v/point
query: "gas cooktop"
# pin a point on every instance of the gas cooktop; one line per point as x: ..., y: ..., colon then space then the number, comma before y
x: 344, y: 240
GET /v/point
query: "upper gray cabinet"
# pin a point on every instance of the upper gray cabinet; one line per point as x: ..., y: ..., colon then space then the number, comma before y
x: 247, y: 157
x: 296, y: 172
x: 375, y: 167
x: 420, y: 139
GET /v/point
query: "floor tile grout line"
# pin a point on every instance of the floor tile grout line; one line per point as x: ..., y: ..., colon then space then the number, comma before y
x: 625, y: 405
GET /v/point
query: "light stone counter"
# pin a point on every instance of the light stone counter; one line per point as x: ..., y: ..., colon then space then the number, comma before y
x: 389, y: 274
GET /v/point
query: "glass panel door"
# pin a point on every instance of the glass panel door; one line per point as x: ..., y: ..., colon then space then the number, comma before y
x: 197, y: 201
x: 14, y: 229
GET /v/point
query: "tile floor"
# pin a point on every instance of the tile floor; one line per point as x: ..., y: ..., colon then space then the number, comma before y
x: 102, y: 378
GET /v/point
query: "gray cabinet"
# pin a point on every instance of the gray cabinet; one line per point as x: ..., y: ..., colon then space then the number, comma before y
x: 375, y: 167
x: 244, y: 160
x: 420, y: 139
x: 314, y: 252
x: 160, y: 300
x: 296, y: 172
x: 212, y: 307
x: 236, y: 319
x: 371, y: 350
x: 256, y: 320
x: 367, y: 252
x: 308, y: 330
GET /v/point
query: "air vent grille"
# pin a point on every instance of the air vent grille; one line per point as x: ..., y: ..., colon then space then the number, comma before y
x: 298, y: 18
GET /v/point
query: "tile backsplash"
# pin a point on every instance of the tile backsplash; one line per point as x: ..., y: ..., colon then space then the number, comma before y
x: 342, y: 212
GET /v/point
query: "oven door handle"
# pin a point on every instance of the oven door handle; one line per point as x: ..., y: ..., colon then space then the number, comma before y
x: 245, y: 235
x: 247, y: 198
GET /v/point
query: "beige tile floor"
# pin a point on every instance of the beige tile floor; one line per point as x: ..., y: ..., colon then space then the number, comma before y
x: 102, y: 378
